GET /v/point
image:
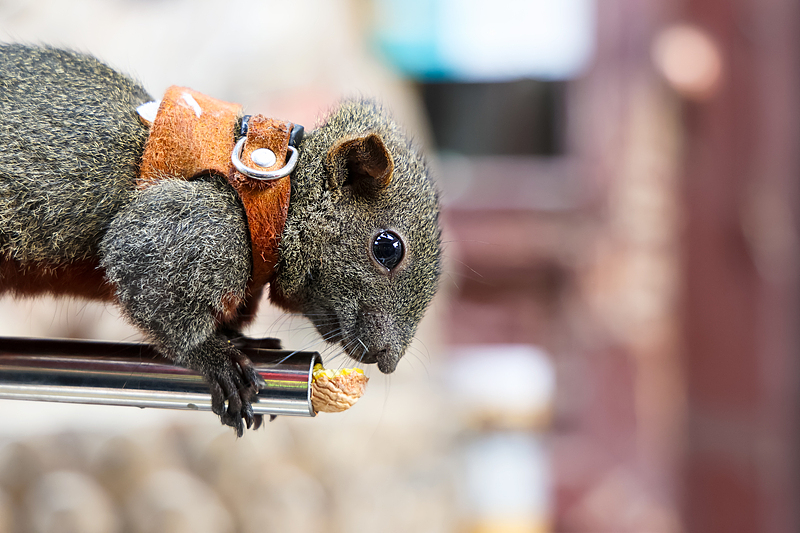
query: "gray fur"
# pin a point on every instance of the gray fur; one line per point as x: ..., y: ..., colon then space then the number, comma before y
x: 68, y: 146
x: 325, y: 266
x: 175, y: 252
x: 178, y: 252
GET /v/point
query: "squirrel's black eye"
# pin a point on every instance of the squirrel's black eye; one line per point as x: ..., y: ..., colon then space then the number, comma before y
x: 387, y: 248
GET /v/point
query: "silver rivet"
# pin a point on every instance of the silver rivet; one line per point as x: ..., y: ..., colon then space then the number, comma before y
x: 263, y: 157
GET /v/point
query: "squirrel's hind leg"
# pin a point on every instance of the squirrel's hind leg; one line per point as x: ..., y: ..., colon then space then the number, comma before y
x: 179, y: 257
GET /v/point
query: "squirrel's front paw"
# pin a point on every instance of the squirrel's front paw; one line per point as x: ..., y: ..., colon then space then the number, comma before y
x: 234, y: 387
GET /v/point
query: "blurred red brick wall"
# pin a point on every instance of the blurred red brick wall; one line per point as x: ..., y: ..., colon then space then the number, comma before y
x: 741, y: 299
x: 667, y: 288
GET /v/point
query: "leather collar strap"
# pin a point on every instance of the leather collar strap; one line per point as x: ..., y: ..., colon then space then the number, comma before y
x: 193, y: 134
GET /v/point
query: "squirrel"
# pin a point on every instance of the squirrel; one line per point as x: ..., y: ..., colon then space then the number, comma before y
x: 359, y: 254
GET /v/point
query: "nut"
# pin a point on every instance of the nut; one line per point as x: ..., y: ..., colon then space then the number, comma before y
x: 334, y: 391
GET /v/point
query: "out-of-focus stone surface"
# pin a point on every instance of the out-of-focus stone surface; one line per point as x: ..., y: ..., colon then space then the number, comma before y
x: 304, y: 475
x: 67, y: 501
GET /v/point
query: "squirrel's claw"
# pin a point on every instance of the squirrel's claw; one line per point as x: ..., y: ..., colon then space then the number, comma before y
x: 232, y: 392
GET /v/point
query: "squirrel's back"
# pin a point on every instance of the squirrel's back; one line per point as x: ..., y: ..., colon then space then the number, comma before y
x: 70, y: 143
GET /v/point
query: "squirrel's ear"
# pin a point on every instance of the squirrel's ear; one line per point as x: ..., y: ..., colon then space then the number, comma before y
x: 362, y: 163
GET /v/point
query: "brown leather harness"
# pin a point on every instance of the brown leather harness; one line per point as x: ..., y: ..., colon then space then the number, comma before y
x: 193, y: 134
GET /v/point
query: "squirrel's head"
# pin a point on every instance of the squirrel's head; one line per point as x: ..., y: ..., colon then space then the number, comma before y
x: 360, y: 252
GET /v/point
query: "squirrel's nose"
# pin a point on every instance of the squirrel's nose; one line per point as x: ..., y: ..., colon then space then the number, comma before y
x: 383, y: 357
x: 387, y: 361
x: 377, y: 328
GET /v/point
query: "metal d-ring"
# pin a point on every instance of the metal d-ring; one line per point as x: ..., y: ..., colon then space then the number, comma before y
x: 266, y: 175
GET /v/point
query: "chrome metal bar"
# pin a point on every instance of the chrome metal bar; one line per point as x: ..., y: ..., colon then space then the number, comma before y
x: 136, y: 375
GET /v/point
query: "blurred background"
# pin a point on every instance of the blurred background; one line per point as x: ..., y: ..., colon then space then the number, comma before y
x: 614, y: 347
